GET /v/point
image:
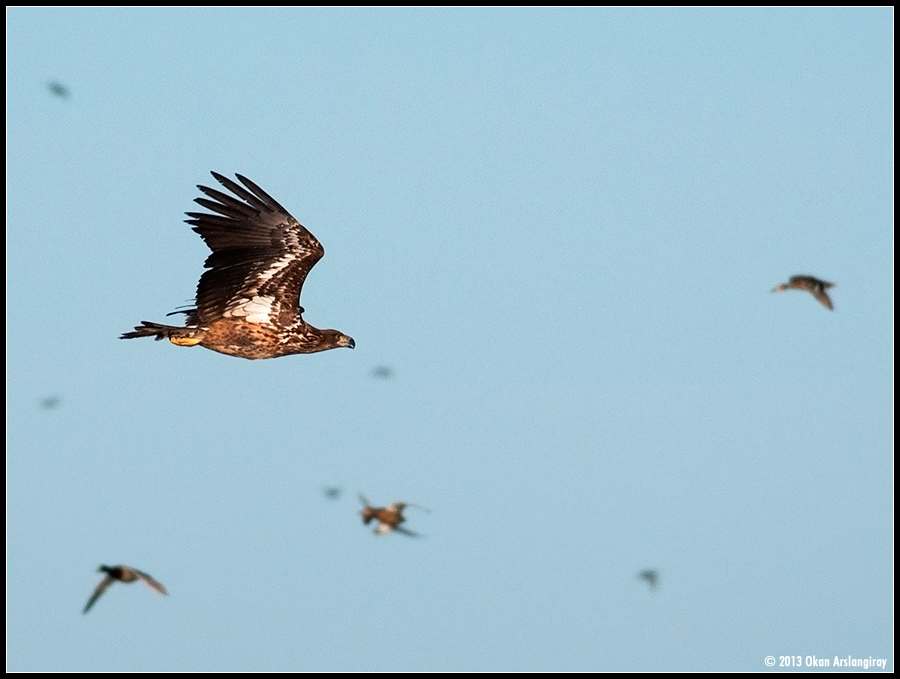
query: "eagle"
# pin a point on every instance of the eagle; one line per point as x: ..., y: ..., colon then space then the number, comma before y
x: 248, y: 302
x: 122, y: 574
x: 812, y: 285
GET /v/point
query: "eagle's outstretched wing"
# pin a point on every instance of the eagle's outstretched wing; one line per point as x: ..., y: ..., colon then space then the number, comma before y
x: 260, y: 256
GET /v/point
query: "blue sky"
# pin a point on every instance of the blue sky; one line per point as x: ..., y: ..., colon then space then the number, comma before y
x: 559, y: 228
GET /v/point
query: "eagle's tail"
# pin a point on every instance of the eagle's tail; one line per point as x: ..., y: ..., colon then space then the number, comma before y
x: 182, y: 336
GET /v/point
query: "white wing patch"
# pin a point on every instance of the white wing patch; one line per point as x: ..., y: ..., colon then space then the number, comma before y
x: 383, y: 529
x: 254, y: 310
x: 277, y: 267
x: 258, y: 308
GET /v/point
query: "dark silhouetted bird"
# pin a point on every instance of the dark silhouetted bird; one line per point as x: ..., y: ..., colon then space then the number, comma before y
x: 650, y: 576
x: 58, y: 89
x: 50, y: 402
x: 382, y: 372
x: 810, y: 284
x: 122, y: 574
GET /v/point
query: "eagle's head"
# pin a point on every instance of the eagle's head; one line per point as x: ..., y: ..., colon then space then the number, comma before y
x: 343, y: 340
x: 330, y: 339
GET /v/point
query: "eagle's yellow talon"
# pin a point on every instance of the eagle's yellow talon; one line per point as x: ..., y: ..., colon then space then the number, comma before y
x: 184, y: 341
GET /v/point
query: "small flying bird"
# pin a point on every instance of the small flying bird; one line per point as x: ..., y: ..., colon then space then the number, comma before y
x: 332, y: 492
x: 248, y: 302
x: 122, y: 574
x: 58, y: 89
x: 650, y: 576
x: 50, y: 402
x: 389, y: 518
x: 382, y: 372
x: 810, y: 284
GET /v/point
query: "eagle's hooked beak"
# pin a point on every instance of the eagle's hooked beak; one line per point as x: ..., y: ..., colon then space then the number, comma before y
x: 346, y: 341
